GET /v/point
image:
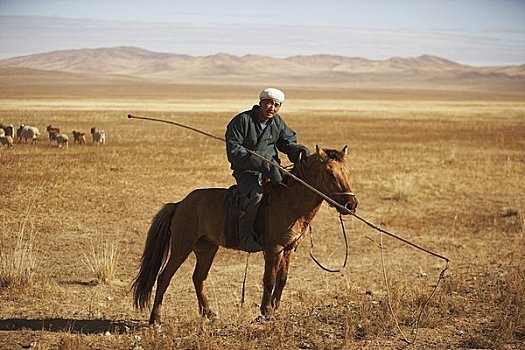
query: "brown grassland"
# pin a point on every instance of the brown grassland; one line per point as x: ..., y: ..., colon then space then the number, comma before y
x: 443, y: 170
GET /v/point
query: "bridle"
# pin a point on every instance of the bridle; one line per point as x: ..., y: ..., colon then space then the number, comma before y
x: 299, y: 168
x: 344, y: 193
x: 330, y: 193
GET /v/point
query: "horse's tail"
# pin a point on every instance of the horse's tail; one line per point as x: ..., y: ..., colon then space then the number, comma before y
x: 154, y: 255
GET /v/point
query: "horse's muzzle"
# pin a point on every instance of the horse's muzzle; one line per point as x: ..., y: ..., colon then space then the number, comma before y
x: 349, y: 201
x: 352, y: 205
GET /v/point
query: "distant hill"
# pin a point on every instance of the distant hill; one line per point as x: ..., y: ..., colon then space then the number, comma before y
x: 134, y: 64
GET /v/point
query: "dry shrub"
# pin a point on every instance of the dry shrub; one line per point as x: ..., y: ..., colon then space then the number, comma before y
x: 17, y: 261
x: 452, y: 157
x: 102, y: 261
x: 404, y: 186
x: 510, y: 295
x: 72, y: 342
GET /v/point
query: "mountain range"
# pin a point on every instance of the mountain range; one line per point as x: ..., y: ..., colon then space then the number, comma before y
x: 130, y: 64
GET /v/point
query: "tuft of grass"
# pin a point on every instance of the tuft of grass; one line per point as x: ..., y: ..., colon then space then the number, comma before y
x: 404, y: 186
x: 452, y: 157
x: 102, y: 261
x: 510, y: 296
x: 71, y: 342
x: 17, y: 262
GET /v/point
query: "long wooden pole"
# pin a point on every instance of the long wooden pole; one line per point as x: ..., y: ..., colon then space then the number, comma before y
x: 307, y: 185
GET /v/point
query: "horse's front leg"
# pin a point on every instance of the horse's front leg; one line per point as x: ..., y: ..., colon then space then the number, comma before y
x: 272, y: 260
x: 282, y: 276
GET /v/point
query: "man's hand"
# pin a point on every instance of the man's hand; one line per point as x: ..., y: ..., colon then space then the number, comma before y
x: 302, y: 153
x: 275, y: 175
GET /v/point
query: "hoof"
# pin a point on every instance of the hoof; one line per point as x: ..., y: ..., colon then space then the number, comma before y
x: 156, y: 326
x: 209, y: 314
x: 154, y: 321
x: 263, y: 319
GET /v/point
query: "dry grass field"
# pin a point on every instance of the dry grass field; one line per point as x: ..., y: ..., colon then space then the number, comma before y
x: 445, y: 171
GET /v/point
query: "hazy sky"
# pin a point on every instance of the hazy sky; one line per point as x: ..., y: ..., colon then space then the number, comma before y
x: 476, y: 32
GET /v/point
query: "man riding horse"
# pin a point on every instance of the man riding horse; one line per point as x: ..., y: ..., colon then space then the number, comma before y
x: 198, y: 223
x: 263, y: 131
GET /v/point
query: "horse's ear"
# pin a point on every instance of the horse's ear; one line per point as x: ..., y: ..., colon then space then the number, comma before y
x: 321, y: 152
x: 345, y: 150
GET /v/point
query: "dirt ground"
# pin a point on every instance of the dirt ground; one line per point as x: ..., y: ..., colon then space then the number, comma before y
x: 444, y: 171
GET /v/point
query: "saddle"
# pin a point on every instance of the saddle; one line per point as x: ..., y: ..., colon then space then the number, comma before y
x: 233, y: 204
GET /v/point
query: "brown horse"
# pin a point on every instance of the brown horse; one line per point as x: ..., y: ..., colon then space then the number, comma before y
x: 197, y: 224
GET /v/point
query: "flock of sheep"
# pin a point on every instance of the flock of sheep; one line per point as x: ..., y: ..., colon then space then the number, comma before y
x: 30, y: 133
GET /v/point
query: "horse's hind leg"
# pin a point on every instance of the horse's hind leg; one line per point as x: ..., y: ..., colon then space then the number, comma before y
x: 176, y: 259
x: 205, y: 254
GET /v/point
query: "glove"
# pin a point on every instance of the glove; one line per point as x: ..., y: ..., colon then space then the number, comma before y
x: 275, y: 175
x: 302, y: 153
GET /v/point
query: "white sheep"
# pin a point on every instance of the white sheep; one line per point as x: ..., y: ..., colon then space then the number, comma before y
x: 99, y: 136
x: 27, y: 133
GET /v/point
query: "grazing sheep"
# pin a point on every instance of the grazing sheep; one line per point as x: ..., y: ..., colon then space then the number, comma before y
x: 53, y: 135
x: 62, y: 140
x: 10, y: 130
x: 99, y: 136
x: 50, y: 130
x: 79, y: 137
x: 7, y: 130
x: 27, y: 133
x: 6, y: 141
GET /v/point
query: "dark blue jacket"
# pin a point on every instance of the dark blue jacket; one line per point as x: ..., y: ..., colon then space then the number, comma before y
x: 244, y: 132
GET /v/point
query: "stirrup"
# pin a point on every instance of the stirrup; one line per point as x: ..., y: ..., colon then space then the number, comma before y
x: 250, y: 245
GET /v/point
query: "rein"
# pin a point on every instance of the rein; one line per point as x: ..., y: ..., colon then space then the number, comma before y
x: 299, y: 169
x: 346, y: 248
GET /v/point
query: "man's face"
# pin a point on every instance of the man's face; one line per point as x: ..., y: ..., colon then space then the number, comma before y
x: 268, y: 109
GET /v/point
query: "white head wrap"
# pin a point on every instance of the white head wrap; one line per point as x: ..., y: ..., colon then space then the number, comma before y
x: 272, y: 94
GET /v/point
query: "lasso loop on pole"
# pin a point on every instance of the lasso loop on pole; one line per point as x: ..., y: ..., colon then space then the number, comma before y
x: 389, y: 298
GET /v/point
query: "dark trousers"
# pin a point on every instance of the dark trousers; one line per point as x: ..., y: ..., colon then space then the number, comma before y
x: 252, y: 193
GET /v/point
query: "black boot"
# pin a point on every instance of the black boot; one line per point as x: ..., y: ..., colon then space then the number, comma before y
x: 247, y: 235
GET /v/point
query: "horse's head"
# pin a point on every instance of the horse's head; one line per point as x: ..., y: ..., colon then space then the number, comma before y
x: 333, y: 176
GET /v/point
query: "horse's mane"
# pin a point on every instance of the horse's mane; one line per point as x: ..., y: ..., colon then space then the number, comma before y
x: 334, y: 154
x: 298, y: 168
